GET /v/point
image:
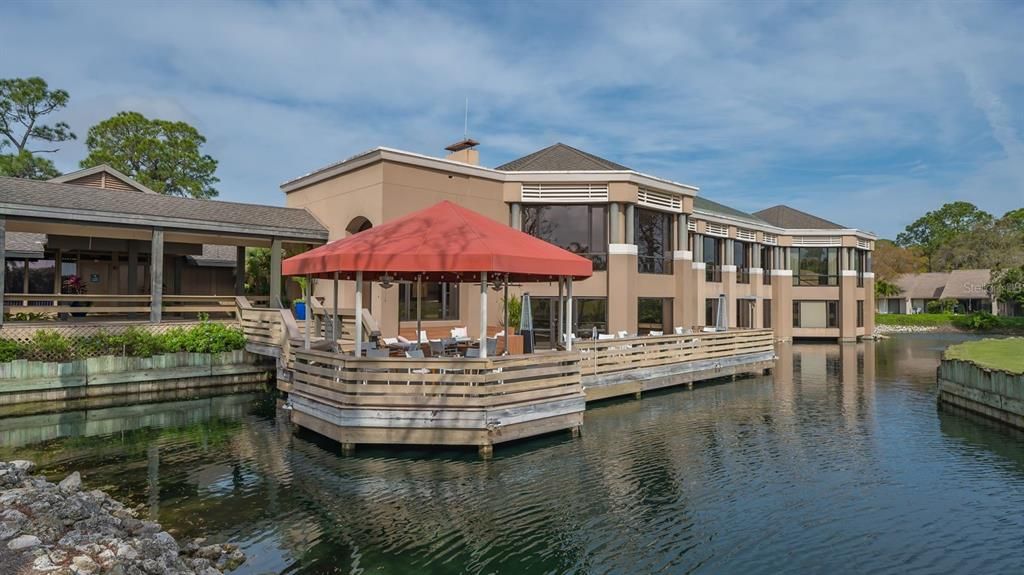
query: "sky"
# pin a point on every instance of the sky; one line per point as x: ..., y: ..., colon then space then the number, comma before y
x: 865, y: 113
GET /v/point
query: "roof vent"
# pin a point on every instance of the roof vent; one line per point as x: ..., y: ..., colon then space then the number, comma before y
x: 463, y: 151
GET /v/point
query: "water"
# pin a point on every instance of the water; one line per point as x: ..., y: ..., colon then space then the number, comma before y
x: 840, y: 462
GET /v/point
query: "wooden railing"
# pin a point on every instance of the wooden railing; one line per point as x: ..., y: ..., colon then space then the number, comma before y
x: 601, y: 357
x: 86, y: 305
x: 345, y: 381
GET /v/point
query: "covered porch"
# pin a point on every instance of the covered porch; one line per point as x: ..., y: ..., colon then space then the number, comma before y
x: 75, y: 254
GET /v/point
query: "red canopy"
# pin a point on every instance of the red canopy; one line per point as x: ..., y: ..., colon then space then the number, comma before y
x: 444, y: 242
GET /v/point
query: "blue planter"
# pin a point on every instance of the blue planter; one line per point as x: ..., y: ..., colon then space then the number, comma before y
x: 300, y: 310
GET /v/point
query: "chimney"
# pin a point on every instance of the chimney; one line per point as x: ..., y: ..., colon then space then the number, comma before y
x: 464, y: 151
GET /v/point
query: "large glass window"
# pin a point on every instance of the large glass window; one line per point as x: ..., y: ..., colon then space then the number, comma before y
x: 653, y: 241
x: 766, y: 308
x: 14, y: 276
x: 589, y: 314
x: 745, y: 313
x: 440, y: 301
x: 712, y: 259
x: 816, y: 314
x: 581, y: 229
x: 711, y: 312
x: 860, y: 263
x: 766, y: 264
x: 741, y: 258
x: 654, y: 314
x: 815, y: 266
x: 860, y: 313
x: 41, y: 276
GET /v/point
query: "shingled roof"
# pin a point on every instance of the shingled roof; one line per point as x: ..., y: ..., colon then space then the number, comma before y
x: 560, y: 158
x: 705, y: 205
x: 87, y: 203
x: 791, y: 218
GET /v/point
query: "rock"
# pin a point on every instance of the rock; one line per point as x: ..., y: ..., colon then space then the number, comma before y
x: 71, y: 484
x: 84, y: 565
x: 23, y: 542
x: 23, y: 467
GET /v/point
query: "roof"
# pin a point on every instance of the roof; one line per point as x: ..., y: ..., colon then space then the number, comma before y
x: 442, y: 242
x: 560, y: 158
x: 922, y: 286
x: 703, y: 204
x: 86, y: 172
x: 215, y: 255
x: 87, y: 204
x: 791, y: 218
x: 24, y: 244
x: 967, y: 284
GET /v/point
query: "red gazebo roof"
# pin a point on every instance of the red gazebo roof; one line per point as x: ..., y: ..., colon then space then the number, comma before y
x: 444, y: 242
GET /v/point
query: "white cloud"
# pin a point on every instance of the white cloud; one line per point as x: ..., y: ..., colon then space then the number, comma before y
x: 832, y: 108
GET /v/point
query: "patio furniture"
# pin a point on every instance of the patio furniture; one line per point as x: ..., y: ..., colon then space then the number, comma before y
x: 601, y: 336
x: 655, y: 333
x: 492, y: 345
x: 436, y: 347
x: 622, y: 334
x: 378, y: 353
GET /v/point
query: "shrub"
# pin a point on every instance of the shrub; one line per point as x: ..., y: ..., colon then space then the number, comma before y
x: 205, y: 338
x: 917, y: 319
x: 10, y: 350
x: 945, y: 305
x: 978, y: 321
x: 49, y: 345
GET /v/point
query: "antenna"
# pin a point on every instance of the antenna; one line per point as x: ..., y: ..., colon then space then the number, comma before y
x: 465, y: 126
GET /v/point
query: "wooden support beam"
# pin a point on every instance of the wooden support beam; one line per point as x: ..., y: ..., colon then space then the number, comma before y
x: 156, y: 275
x: 240, y: 270
x: 275, y: 273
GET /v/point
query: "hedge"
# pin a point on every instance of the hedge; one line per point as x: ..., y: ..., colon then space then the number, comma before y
x: 49, y: 345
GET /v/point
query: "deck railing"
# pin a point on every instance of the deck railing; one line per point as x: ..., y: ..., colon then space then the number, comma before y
x: 601, y: 357
x: 128, y: 305
x: 346, y: 381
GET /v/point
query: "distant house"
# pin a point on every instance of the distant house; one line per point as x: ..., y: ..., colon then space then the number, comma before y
x: 965, y: 286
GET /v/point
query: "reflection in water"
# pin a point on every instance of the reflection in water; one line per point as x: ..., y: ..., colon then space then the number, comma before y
x: 838, y: 461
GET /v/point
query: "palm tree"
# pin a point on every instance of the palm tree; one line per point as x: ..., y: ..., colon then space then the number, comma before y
x: 886, y: 289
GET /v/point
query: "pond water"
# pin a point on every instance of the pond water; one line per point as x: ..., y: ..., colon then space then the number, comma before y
x: 839, y: 462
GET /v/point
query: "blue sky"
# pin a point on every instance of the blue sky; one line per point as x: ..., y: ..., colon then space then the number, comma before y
x: 865, y: 113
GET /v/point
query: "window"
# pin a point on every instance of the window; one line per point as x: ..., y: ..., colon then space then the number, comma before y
x: 579, y: 228
x: 41, y: 276
x: 440, y: 301
x: 712, y: 259
x: 860, y: 313
x: 711, y: 311
x: 766, y: 264
x: 766, y: 311
x: 745, y: 313
x: 14, y: 276
x: 654, y: 314
x: 591, y: 313
x: 653, y: 241
x: 815, y: 266
x: 859, y: 264
x: 816, y: 314
x: 741, y: 257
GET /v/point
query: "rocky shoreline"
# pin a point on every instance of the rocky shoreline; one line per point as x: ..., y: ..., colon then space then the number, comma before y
x: 60, y: 529
x: 886, y: 329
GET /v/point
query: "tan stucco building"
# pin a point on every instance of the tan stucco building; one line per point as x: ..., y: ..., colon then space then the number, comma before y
x: 663, y: 255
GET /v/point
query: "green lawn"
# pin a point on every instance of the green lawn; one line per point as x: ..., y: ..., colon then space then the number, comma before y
x: 1003, y: 354
x: 917, y: 319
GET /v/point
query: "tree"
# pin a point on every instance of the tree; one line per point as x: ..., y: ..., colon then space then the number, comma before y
x: 989, y: 245
x: 886, y: 289
x: 892, y: 261
x: 1015, y: 218
x: 160, y: 154
x: 1007, y: 285
x: 23, y: 103
x: 931, y: 231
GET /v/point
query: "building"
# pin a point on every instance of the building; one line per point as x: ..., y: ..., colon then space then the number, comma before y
x: 967, y: 287
x: 663, y: 255
x: 123, y: 239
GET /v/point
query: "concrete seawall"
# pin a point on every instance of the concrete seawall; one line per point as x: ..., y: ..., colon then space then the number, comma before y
x: 995, y: 394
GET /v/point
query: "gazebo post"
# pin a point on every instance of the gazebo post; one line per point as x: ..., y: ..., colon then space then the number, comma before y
x: 419, y: 316
x: 561, y: 314
x: 483, y: 314
x: 505, y: 304
x: 568, y: 314
x: 334, y: 320
x: 359, y: 314
x: 309, y: 310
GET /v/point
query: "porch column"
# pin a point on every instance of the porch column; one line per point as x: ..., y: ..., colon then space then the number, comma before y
x: 359, y: 313
x: 156, y: 275
x: 133, y: 267
x: 275, y: 274
x: 630, y: 233
x: 613, y: 223
x: 483, y: 314
x: 3, y: 263
x: 179, y: 264
x: 683, y: 230
x: 240, y: 270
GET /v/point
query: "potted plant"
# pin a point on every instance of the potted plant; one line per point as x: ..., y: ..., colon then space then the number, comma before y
x: 75, y: 285
x: 300, y: 304
x: 515, y: 313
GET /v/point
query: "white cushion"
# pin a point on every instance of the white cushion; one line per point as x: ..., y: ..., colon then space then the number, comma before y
x: 390, y: 340
x: 605, y: 336
x: 460, y: 332
x: 623, y: 334
x: 656, y: 333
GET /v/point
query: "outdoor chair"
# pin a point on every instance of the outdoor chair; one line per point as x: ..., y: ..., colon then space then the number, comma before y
x: 436, y: 347
x: 473, y: 352
x: 492, y: 346
x: 416, y: 354
x: 378, y: 353
x: 623, y: 334
x: 460, y: 333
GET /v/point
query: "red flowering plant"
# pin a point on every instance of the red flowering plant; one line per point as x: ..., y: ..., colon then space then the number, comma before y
x: 74, y: 285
